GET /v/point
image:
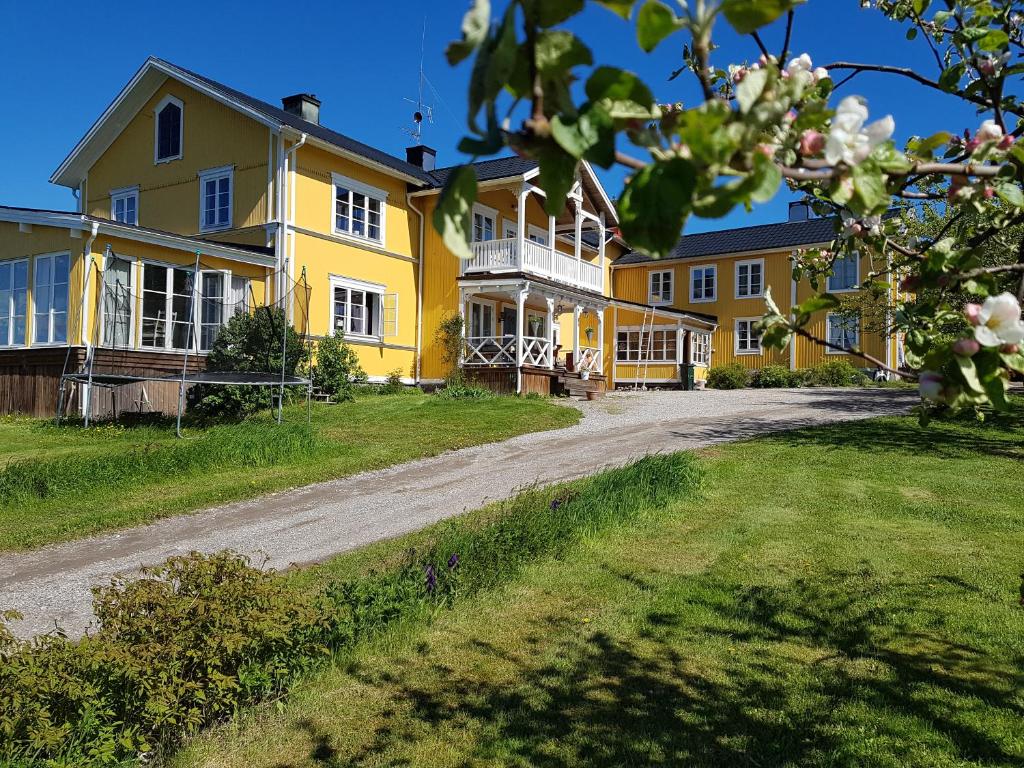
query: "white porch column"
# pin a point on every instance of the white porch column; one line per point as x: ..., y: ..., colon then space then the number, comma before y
x: 551, y: 333
x: 600, y: 341
x: 521, y: 225
x: 520, y: 318
x: 551, y: 238
x: 576, y: 312
x: 579, y: 241
x: 465, y: 330
x: 600, y: 250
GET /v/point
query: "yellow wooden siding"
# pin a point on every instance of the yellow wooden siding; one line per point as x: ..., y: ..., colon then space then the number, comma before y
x: 214, y: 135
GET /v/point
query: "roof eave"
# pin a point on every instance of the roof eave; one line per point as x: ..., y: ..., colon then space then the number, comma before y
x: 737, y: 254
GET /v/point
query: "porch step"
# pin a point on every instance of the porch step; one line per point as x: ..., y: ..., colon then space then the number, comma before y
x: 572, y: 385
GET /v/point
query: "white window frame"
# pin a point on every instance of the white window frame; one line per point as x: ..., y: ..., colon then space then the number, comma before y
x: 197, y: 303
x: 479, y: 209
x: 832, y: 317
x: 856, y: 281
x: 661, y: 356
x: 662, y: 300
x: 125, y: 194
x: 134, y: 311
x: 750, y: 336
x: 700, y: 341
x: 493, y: 331
x: 736, y: 274
x: 157, y: 160
x: 714, y: 291
x: 216, y: 174
x: 510, y: 228
x: 358, y: 187
x: 9, y: 342
x: 50, y: 341
x: 225, y: 290
x: 350, y: 284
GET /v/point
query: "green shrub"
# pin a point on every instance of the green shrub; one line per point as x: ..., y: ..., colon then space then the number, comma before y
x: 464, y: 392
x: 249, y: 343
x: 732, y: 376
x: 836, y: 373
x: 337, y: 367
x: 449, y: 338
x: 774, y: 376
x: 202, y: 635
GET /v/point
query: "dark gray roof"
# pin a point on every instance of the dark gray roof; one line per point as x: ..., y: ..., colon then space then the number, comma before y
x: 669, y: 310
x: 788, y: 234
x: 498, y: 168
x: 324, y: 134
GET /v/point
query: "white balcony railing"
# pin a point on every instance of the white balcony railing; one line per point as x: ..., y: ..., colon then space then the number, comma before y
x: 545, y: 261
x: 501, y: 350
x: 590, y: 360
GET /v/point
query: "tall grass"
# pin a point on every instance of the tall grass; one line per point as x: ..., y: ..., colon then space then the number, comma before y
x: 250, y: 444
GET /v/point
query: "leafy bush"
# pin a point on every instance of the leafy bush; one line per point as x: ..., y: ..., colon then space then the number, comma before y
x: 464, y: 392
x: 449, y: 338
x: 836, y: 373
x: 732, y: 376
x: 774, y: 376
x: 337, y: 367
x: 202, y: 635
x: 249, y: 343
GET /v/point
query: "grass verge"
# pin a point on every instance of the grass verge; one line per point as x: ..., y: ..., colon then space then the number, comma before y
x: 58, y: 483
x: 843, y: 595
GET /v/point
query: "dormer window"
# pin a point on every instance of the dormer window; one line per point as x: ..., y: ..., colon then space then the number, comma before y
x: 169, y: 123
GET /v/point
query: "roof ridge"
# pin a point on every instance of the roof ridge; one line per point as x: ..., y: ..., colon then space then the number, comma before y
x: 758, y: 226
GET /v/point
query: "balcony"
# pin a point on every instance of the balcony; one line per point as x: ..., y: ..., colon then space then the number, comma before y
x: 495, y: 256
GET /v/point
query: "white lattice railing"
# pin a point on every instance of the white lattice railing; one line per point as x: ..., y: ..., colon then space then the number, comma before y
x: 503, y: 256
x: 536, y: 351
x: 490, y: 350
x: 590, y: 360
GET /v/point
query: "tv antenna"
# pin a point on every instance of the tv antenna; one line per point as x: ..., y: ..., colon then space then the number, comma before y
x: 423, y: 111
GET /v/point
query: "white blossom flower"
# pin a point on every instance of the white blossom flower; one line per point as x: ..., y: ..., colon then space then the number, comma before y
x: 989, y: 131
x: 931, y: 385
x: 999, y: 322
x: 820, y: 73
x: 849, y: 141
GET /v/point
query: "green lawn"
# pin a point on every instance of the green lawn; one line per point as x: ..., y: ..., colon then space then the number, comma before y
x: 64, y: 482
x: 844, y: 595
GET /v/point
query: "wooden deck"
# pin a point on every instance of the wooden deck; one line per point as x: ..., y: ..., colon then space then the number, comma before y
x: 541, y: 381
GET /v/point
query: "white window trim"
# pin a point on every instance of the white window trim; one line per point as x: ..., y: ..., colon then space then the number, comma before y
x: 364, y: 189
x: 337, y: 281
x: 736, y: 279
x: 123, y: 194
x: 693, y: 337
x: 134, y: 307
x: 494, y: 313
x: 672, y: 287
x: 693, y: 299
x: 492, y: 213
x: 157, y: 160
x: 10, y: 315
x: 31, y: 307
x: 828, y: 334
x: 736, y: 337
x: 224, y: 171
x: 642, y: 330
x: 856, y: 281
x: 510, y: 228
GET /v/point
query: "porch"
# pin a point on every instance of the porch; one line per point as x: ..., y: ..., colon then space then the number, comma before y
x: 530, y: 257
x: 513, y: 338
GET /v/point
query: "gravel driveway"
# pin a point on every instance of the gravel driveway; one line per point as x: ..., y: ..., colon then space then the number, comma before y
x: 312, y: 523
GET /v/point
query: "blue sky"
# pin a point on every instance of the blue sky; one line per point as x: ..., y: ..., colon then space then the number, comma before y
x: 362, y: 61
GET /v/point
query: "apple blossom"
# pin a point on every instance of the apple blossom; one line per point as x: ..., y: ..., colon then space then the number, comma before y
x: 966, y: 347
x: 1007, y: 141
x: 812, y: 143
x: 1010, y: 349
x: 820, y: 73
x: 849, y: 141
x: 931, y: 385
x: 998, y: 321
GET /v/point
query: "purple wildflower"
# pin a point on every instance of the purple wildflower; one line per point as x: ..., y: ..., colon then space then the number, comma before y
x: 453, y: 561
x: 431, y: 578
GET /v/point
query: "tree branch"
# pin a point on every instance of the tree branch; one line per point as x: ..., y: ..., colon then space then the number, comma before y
x: 785, y: 43
x: 855, y: 352
x: 760, y: 44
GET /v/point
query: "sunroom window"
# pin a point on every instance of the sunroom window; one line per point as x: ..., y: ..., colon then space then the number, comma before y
x: 657, y: 346
x: 13, y: 302
x: 50, y: 299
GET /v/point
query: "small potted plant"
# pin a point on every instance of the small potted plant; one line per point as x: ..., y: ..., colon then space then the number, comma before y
x: 590, y: 335
x: 535, y: 323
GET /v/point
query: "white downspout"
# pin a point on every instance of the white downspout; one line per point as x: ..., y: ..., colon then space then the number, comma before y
x: 792, y: 305
x: 86, y: 272
x: 289, y: 242
x: 419, y: 289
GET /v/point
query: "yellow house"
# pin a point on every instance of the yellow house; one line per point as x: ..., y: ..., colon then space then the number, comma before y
x: 181, y: 173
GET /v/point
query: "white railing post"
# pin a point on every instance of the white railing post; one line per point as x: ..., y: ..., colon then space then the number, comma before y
x: 600, y: 341
x: 600, y: 249
x: 524, y: 193
x: 576, y: 311
x: 551, y: 333
x: 465, y: 334
x: 520, y: 318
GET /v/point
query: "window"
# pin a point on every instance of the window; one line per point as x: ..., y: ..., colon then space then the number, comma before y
x: 166, y: 296
x: 363, y: 309
x: 703, y: 283
x: 749, y: 279
x: 50, y: 298
x: 358, y: 209
x: 657, y: 346
x: 117, y: 303
x: 215, y: 199
x: 843, y: 331
x: 845, y: 273
x: 748, y: 340
x: 700, y: 348
x: 482, y: 319
x: 660, y: 287
x: 124, y: 205
x: 483, y: 223
x: 211, y: 308
x: 169, y: 125
x: 238, y: 299
x: 13, y: 302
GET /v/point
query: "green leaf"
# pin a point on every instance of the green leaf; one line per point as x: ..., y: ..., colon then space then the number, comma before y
x: 474, y: 31
x: 551, y: 12
x: 655, y: 203
x: 869, y: 192
x: 818, y: 303
x: 747, y: 15
x: 623, y: 95
x: 1010, y: 194
x: 750, y: 88
x: 452, y: 215
x: 590, y: 134
x: 557, y: 175
x: 969, y: 373
x: 621, y: 7
x: 994, y: 40
x: 654, y: 23
x: 765, y: 179
x: 558, y: 51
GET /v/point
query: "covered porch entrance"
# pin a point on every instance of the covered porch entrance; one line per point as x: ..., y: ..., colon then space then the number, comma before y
x: 525, y: 336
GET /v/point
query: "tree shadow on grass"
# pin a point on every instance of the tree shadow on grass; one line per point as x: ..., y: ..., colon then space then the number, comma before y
x: 810, y: 673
